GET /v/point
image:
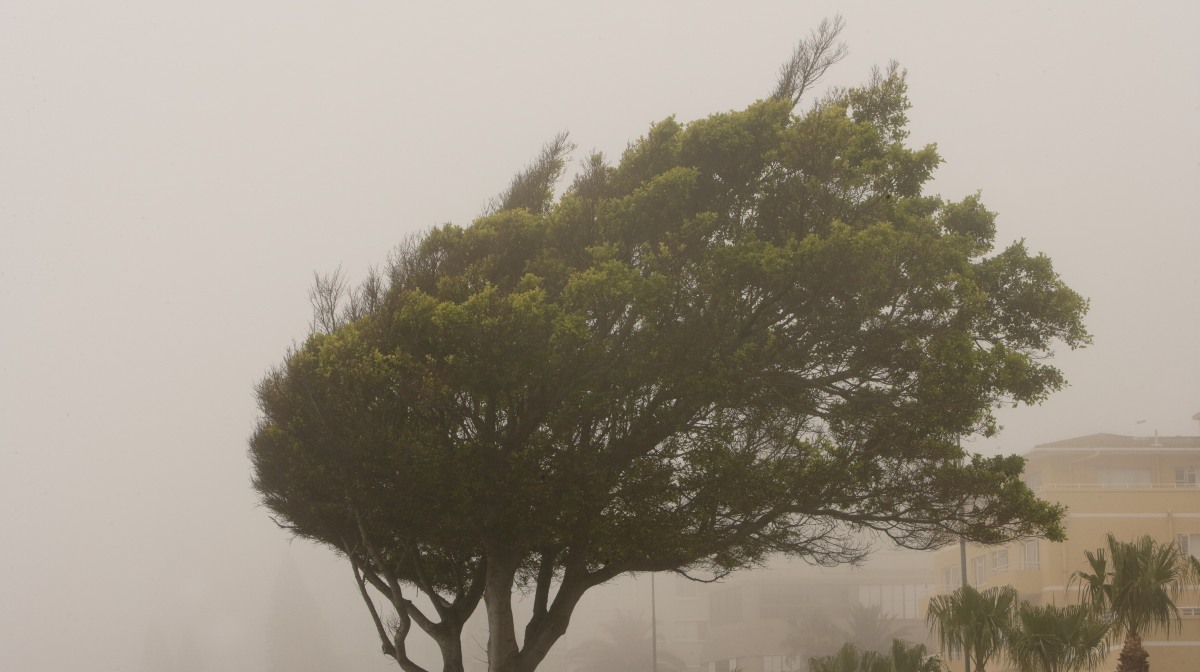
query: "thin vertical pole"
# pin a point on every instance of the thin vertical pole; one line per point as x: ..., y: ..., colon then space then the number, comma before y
x: 654, y: 627
x: 962, y: 559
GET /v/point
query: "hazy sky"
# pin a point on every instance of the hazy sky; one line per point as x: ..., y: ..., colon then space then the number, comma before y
x: 172, y: 173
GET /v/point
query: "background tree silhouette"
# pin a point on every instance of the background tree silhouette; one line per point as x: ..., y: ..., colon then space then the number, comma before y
x: 626, y: 645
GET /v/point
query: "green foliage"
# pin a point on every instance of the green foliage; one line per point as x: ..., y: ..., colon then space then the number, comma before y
x: 985, y: 624
x: 1052, y: 639
x: 1135, y: 581
x: 973, y: 621
x: 907, y: 657
x: 754, y: 334
x: 901, y: 657
x: 850, y: 658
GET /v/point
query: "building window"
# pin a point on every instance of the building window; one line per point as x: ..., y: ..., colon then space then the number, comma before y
x: 951, y: 577
x: 776, y: 664
x: 897, y: 600
x: 1189, y: 544
x: 1123, y: 478
x: 1000, y: 561
x: 1034, y: 481
x: 979, y: 570
x: 1189, y: 611
x: 1029, y: 555
x: 728, y: 665
x: 1186, y: 477
x: 726, y: 607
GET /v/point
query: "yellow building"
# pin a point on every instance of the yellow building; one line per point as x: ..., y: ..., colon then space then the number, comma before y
x: 1126, y: 485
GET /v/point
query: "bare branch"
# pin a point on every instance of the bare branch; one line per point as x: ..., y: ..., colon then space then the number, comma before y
x: 533, y: 187
x: 810, y: 59
x: 326, y: 296
x: 389, y: 648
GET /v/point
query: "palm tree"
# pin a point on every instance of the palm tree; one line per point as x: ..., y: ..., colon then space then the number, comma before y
x: 850, y: 658
x: 907, y: 657
x: 1136, y: 582
x: 867, y: 627
x: 872, y: 629
x: 973, y: 621
x: 1053, y: 639
x: 904, y: 657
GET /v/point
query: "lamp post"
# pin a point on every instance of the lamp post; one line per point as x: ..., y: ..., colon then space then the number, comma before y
x: 654, y: 628
x: 962, y: 564
x: 962, y: 559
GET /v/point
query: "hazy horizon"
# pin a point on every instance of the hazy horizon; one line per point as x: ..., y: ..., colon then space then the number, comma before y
x: 171, y: 175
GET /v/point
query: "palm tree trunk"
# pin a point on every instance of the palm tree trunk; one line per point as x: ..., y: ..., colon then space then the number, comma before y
x: 1133, y: 657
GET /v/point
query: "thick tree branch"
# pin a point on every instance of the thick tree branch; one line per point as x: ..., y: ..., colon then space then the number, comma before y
x: 388, y: 647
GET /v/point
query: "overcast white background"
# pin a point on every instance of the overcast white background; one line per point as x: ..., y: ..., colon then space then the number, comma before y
x: 172, y: 173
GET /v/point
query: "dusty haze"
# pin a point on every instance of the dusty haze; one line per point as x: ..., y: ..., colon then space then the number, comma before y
x: 171, y: 174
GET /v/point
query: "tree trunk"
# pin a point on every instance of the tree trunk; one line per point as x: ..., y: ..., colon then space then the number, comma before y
x: 1133, y: 657
x: 451, y: 648
x: 497, y: 599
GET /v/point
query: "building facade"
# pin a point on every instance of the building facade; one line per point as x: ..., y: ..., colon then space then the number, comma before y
x: 775, y: 619
x: 1125, y: 485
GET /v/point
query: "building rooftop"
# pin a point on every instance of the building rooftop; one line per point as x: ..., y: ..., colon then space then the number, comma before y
x: 1118, y: 442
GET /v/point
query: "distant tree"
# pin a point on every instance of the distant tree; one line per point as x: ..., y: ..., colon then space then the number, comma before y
x: 754, y: 334
x: 871, y: 629
x: 909, y: 657
x: 1057, y: 639
x: 626, y: 647
x: 820, y: 634
x: 850, y: 658
x: 1136, y: 582
x: 974, y: 622
x: 901, y: 656
x: 812, y: 636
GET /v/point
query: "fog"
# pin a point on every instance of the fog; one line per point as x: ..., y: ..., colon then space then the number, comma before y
x: 171, y: 174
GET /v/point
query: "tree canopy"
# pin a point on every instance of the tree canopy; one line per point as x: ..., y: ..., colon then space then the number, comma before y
x: 753, y: 334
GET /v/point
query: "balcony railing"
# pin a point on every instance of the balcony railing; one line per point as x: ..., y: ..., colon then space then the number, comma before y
x: 1115, y: 486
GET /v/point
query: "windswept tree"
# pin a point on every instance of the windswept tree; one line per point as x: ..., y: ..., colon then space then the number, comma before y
x: 753, y: 334
x: 1135, y: 581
